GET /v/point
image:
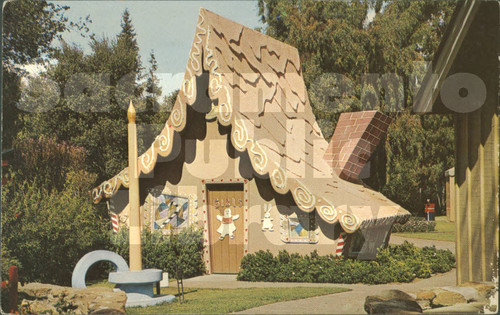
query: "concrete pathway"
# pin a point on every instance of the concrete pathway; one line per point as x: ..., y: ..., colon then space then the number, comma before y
x: 351, y: 302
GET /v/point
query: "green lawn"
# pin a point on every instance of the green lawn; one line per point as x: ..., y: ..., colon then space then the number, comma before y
x: 445, y: 231
x: 101, y: 283
x: 217, y: 301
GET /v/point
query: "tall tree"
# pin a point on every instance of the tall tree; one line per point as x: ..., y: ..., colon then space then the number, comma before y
x: 153, y: 89
x: 94, y: 93
x: 359, y: 55
x: 29, y: 28
x: 127, y: 40
x: 48, y: 220
x: 152, y: 120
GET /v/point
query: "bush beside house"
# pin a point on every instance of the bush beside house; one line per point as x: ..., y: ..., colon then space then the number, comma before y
x: 397, y: 263
x: 166, y: 252
x: 415, y: 224
x: 48, y: 220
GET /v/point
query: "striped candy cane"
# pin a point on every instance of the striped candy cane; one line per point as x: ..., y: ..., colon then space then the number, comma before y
x: 114, y: 221
x: 340, y: 245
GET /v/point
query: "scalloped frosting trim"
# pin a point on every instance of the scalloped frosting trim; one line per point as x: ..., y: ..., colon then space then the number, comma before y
x: 303, y: 197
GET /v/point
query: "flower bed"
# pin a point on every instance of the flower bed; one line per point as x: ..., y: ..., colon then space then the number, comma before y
x: 397, y: 263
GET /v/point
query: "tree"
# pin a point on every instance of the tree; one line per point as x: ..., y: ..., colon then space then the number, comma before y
x: 351, y: 63
x: 169, y: 101
x: 127, y: 40
x: 93, y: 95
x: 48, y: 219
x: 153, y: 90
x: 29, y: 28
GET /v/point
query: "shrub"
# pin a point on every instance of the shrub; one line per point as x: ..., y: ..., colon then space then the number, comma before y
x: 46, y: 162
x: 48, y: 219
x: 415, y: 224
x: 396, y: 263
x: 47, y: 232
x: 7, y: 261
x: 166, y: 252
x: 261, y: 265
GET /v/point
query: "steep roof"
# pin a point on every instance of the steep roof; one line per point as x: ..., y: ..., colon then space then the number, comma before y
x: 256, y: 86
x: 427, y: 99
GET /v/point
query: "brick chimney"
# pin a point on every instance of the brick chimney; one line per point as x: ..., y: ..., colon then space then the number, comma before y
x: 354, y: 141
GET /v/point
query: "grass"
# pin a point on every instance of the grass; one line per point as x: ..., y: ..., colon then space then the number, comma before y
x: 445, y: 231
x: 217, y: 301
x: 100, y: 283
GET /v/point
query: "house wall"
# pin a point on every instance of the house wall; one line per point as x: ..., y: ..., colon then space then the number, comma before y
x: 211, y: 157
x: 205, y: 154
x: 450, y: 196
x: 477, y: 155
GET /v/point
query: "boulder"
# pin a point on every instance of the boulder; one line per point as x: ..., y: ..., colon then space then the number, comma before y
x: 424, y: 304
x: 464, y: 308
x: 392, y: 302
x: 396, y: 294
x: 45, y: 298
x: 424, y: 298
x: 484, y: 289
x: 470, y: 294
x: 426, y: 295
x: 40, y: 307
x: 32, y: 291
x: 447, y: 298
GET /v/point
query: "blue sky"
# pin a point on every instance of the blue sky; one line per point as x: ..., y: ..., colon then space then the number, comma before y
x: 166, y: 27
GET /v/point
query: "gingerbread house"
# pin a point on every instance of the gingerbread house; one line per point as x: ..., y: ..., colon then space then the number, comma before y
x: 242, y: 158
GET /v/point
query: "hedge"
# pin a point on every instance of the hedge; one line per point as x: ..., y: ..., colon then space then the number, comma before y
x: 166, y: 252
x: 415, y: 224
x: 397, y: 263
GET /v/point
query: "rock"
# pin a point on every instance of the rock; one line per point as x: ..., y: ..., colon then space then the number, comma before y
x: 391, y: 302
x: 46, y: 298
x: 424, y: 298
x: 38, y: 307
x: 426, y: 295
x: 424, y: 304
x: 412, y: 295
x: 484, y: 289
x: 33, y: 291
x: 447, y: 298
x: 470, y: 294
x: 463, y: 308
x: 108, y: 311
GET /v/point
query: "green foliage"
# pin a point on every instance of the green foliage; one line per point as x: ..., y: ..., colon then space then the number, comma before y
x: 48, y: 219
x: 8, y: 260
x: 29, y: 27
x: 419, y: 150
x: 415, y: 224
x: 216, y: 301
x: 352, y: 63
x: 49, y: 231
x: 152, y: 120
x: 397, y: 263
x: 178, y: 254
x: 89, y: 98
x: 45, y: 162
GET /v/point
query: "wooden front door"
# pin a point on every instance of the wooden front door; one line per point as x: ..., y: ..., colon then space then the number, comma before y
x: 225, y: 221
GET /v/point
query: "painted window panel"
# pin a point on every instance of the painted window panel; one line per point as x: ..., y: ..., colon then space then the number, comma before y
x: 171, y: 213
x: 299, y: 229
